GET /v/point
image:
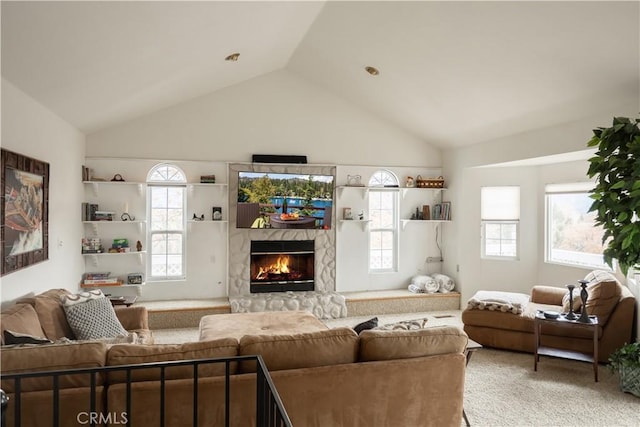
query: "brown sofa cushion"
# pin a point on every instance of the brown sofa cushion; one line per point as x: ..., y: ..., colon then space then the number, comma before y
x: 50, y: 358
x: 603, y: 298
x: 307, y: 350
x: 54, y: 323
x: 127, y: 354
x: 389, y: 345
x: 21, y: 318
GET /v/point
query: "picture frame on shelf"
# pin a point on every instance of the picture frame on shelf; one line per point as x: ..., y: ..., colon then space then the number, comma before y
x: 24, y: 212
x: 347, y: 213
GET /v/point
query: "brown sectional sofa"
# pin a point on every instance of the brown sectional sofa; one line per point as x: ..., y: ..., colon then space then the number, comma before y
x: 329, y: 377
x: 614, y: 308
x: 43, y: 316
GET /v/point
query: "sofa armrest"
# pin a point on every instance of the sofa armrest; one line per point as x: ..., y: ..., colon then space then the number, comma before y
x: 132, y: 318
x: 550, y: 295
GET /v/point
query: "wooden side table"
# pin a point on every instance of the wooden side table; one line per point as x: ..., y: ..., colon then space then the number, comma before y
x: 566, y: 354
x: 126, y: 301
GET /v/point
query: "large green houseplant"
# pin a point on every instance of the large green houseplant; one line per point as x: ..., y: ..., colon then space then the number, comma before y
x: 616, y: 197
x: 626, y: 362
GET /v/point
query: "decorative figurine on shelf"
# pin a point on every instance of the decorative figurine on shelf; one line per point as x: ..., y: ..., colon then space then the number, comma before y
x: 354, y: 180
x: 584, y: 295
x: 216, y: 214
x: 117, y: 178
x: 361, y: 215
x: 126, y: 217
x: 198, y: 218
x: 410, y: 182
x: 139, y: 246
x: 571, y: 315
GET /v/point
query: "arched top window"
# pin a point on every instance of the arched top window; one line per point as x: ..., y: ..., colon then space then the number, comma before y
x: 382, y: 178
x: 166, y: 173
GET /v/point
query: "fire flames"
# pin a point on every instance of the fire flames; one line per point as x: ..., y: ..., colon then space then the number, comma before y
x: 280, y: 267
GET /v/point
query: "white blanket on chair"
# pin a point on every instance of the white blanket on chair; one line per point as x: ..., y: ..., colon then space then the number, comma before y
x: 511, y: 302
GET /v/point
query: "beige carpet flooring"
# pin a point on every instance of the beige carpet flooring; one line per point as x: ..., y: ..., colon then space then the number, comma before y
x: 501, y: 388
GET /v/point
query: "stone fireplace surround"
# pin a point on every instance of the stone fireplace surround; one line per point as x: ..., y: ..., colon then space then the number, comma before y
x: 240, y: 238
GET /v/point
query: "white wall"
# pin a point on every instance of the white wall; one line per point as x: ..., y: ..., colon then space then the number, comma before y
x: 29, y: 128
x: 279, y: 113
x: 206, y: 242
x: 468, y: 169
x: 416, y: 241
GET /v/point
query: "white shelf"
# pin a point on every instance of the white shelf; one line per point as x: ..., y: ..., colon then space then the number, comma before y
x: 363, y: 222
x: 204, y: 184
x: 95, y: 225
x: 404, y: 190
x: 96, y: 184
x: 222, y: 221
x: 95, y: 257
x: 404, y: 222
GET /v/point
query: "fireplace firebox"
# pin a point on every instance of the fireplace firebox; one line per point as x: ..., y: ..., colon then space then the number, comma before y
x: 282, y: 265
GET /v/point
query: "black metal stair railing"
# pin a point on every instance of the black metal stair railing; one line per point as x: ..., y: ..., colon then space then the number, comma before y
x: 270, y: 411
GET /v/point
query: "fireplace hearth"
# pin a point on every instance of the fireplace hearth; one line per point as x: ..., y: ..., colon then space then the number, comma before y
x: 282, y: 265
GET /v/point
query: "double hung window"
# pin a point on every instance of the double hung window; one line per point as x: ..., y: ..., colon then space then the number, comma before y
x: 500, y: 219
x: 572, y: 238
x: 166, y: 216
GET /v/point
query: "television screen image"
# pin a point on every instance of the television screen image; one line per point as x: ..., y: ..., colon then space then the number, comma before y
x: 284, y: 200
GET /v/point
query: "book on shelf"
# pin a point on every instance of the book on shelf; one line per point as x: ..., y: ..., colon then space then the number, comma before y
x: 98, y: 275
x: 98, y: 283
x: 89, y: 211
x: 103, y: 216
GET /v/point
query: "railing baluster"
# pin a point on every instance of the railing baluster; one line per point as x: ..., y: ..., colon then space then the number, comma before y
x: 56, y: 401
x: 18, y: 406
x: 227, y: 387
x: 195, y: 395
x: 128, y: 397
x: 162, y: 396
x: 92, y: 397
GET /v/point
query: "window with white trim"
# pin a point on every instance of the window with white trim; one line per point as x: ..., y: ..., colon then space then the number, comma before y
x: 500, y: 219
x: 383, y: 228
x: 572, y: 237
x: 166, y: 219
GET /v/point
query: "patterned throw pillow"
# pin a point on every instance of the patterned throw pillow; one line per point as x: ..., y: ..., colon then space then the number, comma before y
x: 405, y: 325
x: 369, y: 324
x: 11, y: 338
x: 91, y: 316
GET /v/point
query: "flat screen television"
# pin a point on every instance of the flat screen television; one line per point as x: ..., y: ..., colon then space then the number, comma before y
x: 284, y: 200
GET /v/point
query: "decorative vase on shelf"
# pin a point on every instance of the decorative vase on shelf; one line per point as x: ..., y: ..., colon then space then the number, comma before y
x: 571, y: 315
x: 584, y: 316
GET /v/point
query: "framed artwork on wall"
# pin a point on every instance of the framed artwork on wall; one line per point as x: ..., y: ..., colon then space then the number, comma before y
x: 24, y: 211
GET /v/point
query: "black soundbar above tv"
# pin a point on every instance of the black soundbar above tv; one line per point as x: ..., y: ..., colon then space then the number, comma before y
x: 277, y: 158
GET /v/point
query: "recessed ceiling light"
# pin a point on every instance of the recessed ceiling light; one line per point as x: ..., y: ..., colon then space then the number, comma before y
x: 233, y: 57
x: 372, y: 70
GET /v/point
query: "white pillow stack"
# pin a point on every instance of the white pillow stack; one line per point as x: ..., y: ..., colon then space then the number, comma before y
x: 431, y: 284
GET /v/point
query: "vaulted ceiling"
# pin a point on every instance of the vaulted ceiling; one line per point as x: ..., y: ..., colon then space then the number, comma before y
x: 453, y: 73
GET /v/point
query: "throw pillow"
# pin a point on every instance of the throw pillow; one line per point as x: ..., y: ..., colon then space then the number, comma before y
x: 599, y: 276
x: 603, y: 298
x: 369, y: 324
x: 405, y: 325
x: 11, y: 337
x: 91, y: 316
